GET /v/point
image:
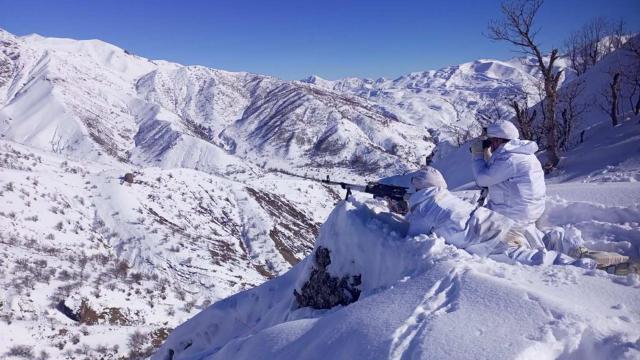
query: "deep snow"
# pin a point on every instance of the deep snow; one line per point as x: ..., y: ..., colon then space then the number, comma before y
x: 424, y: 299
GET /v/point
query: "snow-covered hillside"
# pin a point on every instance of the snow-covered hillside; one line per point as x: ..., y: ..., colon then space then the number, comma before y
x: 204, y: 216
x: 141, y: 256
x: 448, y: 101
x: 100, y: 264
x: 419, y: 298
x: 87, y: 99
x: 423, y: 299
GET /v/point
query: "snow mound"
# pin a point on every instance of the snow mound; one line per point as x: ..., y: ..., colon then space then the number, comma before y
x: 602, y: 227
x: 420, y: 298
x: 608, y: 154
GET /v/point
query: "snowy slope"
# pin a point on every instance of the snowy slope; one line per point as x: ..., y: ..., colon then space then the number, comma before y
x: 69, y: 96
x: 202, y: 219
x: 607, y: 154
x: 423, y: 299
x: 135, y: 257
x: 88, y: 99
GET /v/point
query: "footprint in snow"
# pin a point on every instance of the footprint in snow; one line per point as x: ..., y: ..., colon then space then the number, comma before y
x: 440, y: 298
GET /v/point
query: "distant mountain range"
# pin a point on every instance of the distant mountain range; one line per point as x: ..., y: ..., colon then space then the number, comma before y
x: 90, y: 99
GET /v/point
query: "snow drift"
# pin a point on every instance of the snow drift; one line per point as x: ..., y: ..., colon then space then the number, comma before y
x: 420, y: 298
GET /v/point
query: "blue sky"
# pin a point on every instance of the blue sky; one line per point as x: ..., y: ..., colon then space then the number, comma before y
x: 294, y: 39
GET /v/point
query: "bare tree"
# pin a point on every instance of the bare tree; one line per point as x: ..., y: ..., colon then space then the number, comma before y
x: 460, y: 134
x: 594, y: 40
x: 633, y: 46
x: 616, y: 37
x: 633, y: 82
x: 455, y: 108
x: 610, y: 97
x: 491, y: 113
x: 572, y: 111
x: 584, y: 47
x: 632, y: 76
x: 614, y: 87
x: 524, y: 116
x: 518, y: 28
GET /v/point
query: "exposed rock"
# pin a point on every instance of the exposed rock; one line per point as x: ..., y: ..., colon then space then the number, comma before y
x: 66, y: 311
x: 128, y: 177
x: 323, y: 291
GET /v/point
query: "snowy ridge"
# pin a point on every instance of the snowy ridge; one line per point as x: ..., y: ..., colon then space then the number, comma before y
x: 88, y: 99
x: 420, y: 299
x: 449, y: 100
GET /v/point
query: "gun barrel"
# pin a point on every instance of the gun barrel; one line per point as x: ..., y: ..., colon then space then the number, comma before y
x: 374, y: 188
x: 346, y: 186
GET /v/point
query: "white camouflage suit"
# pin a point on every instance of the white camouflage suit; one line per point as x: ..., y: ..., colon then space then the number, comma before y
x: 517, y: 190
x: 479, y: 230
x: 476, y: 229
x: 516, y: 185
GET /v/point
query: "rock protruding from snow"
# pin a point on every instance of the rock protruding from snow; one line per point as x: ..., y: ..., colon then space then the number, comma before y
x: 323, y: 291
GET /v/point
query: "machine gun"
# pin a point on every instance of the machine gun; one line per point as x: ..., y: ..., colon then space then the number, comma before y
x: 395, y: 194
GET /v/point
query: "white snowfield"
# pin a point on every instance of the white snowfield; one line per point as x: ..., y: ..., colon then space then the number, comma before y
x: 93, y: 266
x: 424, y: 299
x: 132, y: 257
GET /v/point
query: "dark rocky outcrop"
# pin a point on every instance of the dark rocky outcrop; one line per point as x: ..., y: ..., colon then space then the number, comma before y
x: 323, y: 291
x: 128, y: 178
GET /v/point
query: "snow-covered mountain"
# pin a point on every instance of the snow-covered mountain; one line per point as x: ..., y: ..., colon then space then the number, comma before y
x: 80, y: 243
x: 454, y: 100
x: 419, y: 298
x: 88, y: 98
x: 102, y: 264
